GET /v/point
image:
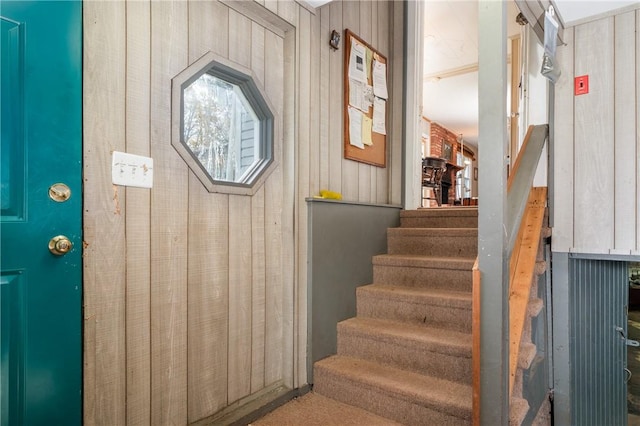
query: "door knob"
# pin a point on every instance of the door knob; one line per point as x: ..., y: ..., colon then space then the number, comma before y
x: 60, y: 245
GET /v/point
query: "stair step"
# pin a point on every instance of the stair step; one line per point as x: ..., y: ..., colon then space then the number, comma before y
x: 447, y: 242
x: 425, y: 350
x: 399, y: 395
x: 450, y: 273
x: 455, y: 217
x: 439, y: 308
x: 518, y: 410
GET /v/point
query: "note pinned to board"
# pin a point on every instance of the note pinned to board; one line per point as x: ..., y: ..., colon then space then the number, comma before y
x: 380, y: 79
x: 357, y: 62
x: 360, y: 95
x: 355, y: 127
x: 379, y: 116
x: 367, y: 124
x: 356, y: 95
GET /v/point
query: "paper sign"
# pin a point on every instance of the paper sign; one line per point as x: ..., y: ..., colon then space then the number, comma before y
x: 357, y: 62
x: 380, y: 80
x: 356, y: 95
x: 367, y: 123
x: 355, y: 127
x: 379, y: 116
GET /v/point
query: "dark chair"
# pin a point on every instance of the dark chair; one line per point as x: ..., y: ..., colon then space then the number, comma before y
x: 432, y: 170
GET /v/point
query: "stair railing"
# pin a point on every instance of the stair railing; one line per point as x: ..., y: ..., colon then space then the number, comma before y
x: 521, y: 179
x: 526, y: 202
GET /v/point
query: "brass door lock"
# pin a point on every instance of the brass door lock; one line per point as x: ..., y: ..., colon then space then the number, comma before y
x: 60, y: 245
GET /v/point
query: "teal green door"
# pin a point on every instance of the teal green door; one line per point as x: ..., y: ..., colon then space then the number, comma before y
x: 41, y: 292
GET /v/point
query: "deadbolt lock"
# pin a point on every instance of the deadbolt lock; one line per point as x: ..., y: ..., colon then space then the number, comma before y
x: 60, y: 245
x: 59, y: 192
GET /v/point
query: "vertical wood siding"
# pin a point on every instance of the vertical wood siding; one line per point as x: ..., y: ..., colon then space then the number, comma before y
x: 104, y: 222
x: 208, y: 285
x: 195, y: 301
x: 596, y: 162
x: 137, y: 213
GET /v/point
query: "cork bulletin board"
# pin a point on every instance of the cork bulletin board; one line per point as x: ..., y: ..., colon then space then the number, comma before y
x: 365, y: 102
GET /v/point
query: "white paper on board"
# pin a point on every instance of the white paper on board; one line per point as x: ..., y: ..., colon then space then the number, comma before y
x: 357, y: 64
x: 367, y: 124
x: 379, y: 116
x: 356, y: 94
x: 380, y: 79
x: 355, y: 127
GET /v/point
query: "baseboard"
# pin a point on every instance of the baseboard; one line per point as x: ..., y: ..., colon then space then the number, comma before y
x: 252, y: 407
x: 272, y: 405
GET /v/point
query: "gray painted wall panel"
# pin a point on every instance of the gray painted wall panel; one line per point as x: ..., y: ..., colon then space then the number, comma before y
x: 597, y: 304
x: 342, y: 240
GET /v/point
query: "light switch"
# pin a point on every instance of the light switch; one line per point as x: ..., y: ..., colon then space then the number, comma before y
x: 131, y: 170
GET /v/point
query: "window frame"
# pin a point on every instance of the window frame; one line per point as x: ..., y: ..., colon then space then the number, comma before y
x: 269, y: 138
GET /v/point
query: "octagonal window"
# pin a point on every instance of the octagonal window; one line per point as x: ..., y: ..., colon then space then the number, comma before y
x: 226, y: 124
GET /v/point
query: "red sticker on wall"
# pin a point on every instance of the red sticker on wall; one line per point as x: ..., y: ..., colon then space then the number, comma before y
x: 581, y: 85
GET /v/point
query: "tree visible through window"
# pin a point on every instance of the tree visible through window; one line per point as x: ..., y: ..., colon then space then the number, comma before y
x: 220, y: 128
x: 223, y: 125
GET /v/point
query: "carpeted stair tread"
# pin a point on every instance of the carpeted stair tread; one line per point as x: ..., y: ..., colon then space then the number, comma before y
x: 440, y: 308
x: 420, y: 261
x: 419, y: 271
x: 518, y: 409
x: 431, y: 231
x: 403, y: 334
x: 431, y: 351
x: 442, y: 211
x: 426, y: 296
x: 433, y: 241
x: 451, y: 398
x: 439, y: 218
x: 448, y: 212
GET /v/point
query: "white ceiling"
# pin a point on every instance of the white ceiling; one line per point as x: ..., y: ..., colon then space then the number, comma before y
x: 574, y: 10
x: 450, y: 89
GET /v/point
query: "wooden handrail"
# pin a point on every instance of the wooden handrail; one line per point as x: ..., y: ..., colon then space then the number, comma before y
x: 521, y: 179
x: 522, y: 273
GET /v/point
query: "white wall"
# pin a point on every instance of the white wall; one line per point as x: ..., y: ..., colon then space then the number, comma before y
x: 596, y: 139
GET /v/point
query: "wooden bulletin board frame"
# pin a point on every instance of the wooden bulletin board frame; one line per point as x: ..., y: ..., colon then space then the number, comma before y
x: 376, y: 154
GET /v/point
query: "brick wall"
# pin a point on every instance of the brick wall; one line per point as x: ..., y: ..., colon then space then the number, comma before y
x: 440, y: 135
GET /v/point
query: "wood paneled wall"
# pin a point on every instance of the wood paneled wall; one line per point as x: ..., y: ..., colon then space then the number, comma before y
x: 596, y: 163
x: 380, y: 24
x: 195, y: 302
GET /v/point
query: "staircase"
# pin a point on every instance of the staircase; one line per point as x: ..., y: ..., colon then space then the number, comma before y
x: 406, y: 356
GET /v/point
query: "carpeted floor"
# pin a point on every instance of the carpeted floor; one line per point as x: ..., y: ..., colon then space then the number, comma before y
x: 316, y: 410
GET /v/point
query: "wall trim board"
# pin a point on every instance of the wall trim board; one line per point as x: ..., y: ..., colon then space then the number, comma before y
x: 235, y: 413
x: 261, y: 15
x: 272, y: 405
x: 605, y: 256
x: 355, y: 203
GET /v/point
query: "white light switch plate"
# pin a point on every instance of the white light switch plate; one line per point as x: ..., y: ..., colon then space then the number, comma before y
x: 131, y: 170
